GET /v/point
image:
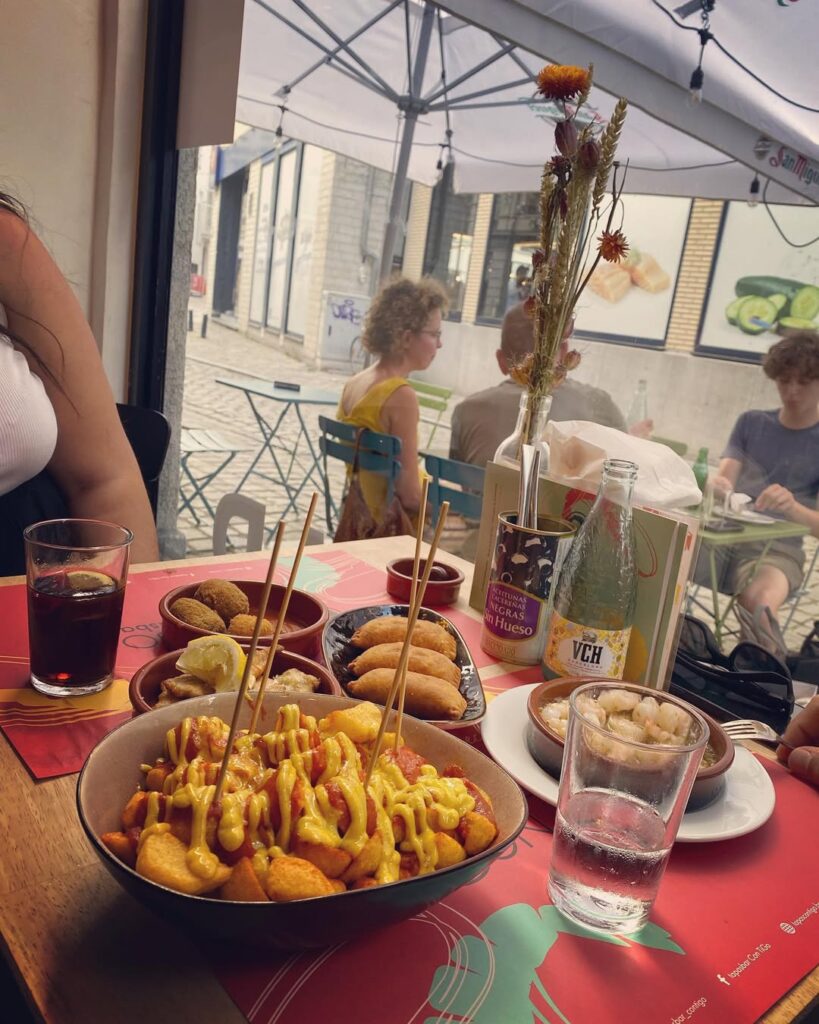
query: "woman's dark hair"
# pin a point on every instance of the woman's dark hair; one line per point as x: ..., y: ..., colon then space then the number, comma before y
x: 794, y: 357
x: 15, y: 207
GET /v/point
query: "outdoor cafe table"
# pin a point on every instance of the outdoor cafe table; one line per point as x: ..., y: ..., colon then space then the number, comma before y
x: 295, y: 452
x: 85, y: 952
x: 746, y: 533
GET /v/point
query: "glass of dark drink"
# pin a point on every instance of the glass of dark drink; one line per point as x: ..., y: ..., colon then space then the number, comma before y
x: 76, y: 571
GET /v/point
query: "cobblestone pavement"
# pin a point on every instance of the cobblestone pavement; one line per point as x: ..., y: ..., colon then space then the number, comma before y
x: 208, y: 404
x: 225, y: 352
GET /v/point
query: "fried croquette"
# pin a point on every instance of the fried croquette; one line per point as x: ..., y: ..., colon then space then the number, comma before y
x: 197, y: 614
x: 243, y: 625
x: 224, y: 597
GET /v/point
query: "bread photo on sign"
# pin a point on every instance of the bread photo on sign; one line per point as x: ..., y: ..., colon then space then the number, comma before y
x: 610, y: 282
x: 645, y: 272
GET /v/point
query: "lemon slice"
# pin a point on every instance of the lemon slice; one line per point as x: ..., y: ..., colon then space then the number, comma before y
x: 216, y: 660
x: 87, y: 579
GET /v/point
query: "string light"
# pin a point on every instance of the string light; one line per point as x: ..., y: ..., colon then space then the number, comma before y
x: 753, y: 199
x: 698, y: 75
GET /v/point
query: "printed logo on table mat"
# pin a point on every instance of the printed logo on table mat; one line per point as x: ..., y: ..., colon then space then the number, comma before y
x: 490, y: 977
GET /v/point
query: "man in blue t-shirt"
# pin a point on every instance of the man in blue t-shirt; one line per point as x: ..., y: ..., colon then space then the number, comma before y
x: 774, y: 457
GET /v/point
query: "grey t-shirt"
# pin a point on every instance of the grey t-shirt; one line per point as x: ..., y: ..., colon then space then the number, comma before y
x: 483, y: 420
x: 773, y: 454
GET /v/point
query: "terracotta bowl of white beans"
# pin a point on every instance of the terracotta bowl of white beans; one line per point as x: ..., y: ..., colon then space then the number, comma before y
x: 635, y: 713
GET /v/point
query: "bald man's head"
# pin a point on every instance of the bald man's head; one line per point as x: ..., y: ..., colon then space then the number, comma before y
x: 518, y: 338
x: 517, y: 335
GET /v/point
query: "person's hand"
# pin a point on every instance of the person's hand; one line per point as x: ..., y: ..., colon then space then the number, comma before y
x: 722, y: 485
x: 776, y: 498
x: 803, y: 735
x: 645, y: 428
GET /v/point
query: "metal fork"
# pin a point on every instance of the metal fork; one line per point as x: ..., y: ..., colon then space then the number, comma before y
x: 750, y: 729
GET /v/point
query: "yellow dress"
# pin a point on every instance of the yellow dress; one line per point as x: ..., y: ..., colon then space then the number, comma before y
x: 367, y: 413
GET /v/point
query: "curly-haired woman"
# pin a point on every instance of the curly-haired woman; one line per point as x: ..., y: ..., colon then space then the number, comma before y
x: 773, y: 456
x: 403, y: 329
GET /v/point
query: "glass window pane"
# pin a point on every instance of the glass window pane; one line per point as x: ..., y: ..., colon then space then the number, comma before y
x: 513, y: 235
x: 301, y: 275
x: 282, y: 233
x: 262, y: 250
x: 449, y: 240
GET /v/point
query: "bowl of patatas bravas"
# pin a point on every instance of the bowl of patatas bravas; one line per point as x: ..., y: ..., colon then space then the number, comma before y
x: 298, y: 853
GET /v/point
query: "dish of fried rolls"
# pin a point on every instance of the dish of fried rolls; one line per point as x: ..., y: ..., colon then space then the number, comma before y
x: 363, y: 649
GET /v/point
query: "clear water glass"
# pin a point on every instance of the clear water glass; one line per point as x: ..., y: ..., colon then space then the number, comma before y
x: 619, y: 808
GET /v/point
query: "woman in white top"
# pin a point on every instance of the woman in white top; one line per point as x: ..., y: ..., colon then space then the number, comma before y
x: 62, y: 447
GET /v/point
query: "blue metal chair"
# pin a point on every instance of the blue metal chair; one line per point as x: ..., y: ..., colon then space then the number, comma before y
x: 378, y: 453
x: 466, y: 498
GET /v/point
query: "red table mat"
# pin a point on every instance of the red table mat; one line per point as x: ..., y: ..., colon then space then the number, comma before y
x: 54, y: 736
x: 735, y: 926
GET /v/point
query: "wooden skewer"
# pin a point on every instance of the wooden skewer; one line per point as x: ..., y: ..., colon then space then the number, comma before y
x: 234, y: 725
x: 400, y: 672
x: 257, y: 707
x: 422, y: 514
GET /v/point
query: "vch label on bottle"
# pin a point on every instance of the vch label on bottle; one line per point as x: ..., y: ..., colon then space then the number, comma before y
x: 573, y: 649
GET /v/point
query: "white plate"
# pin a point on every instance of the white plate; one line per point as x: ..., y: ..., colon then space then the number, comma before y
x: 750, y: 517
x: 746, y: 803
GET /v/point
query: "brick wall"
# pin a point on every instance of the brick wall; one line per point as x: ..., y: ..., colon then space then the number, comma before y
x: 695, y: 267
x: 472, y: 292
x: 417, y: 225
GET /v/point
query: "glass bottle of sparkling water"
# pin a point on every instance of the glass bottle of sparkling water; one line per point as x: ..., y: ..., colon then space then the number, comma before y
x: 638, y: 410
x: 594, y: 600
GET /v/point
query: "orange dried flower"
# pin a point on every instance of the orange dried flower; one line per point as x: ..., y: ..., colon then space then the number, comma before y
x: 521, y: 373
x: 562, y: 81
x: 613, y: 246
x: 530, y: 306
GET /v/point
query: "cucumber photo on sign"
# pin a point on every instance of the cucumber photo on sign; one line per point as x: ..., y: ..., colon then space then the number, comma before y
x: 767, y: 303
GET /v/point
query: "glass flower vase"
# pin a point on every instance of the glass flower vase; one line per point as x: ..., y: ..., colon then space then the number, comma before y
x: 532, y: 416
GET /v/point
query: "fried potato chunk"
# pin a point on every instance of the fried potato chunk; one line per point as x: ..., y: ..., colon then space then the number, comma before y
x: 477, y: 832
x: 367, y: 860
x: 428, y: 663
x: 133, y: 814
x: 162, y: 858
x: 121, y: 846
x: 450, y: 850
x: 155, y: 779
x: 243, y: 886
x: 292, y: 878
x: 330, y: 860
x: 360, y: 723
x: 388, y: 629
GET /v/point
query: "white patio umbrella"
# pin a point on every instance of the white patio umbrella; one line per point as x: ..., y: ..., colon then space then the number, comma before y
x: 402, y: 84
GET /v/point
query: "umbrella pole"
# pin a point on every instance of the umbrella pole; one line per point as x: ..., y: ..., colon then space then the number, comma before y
x: 412, y: 107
